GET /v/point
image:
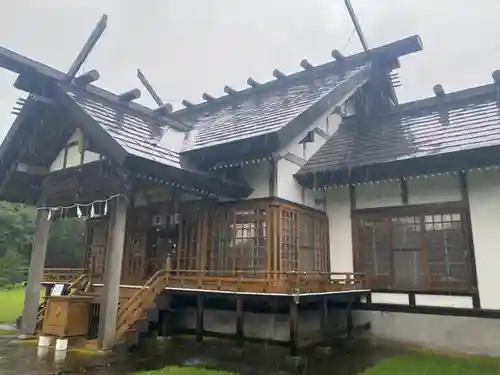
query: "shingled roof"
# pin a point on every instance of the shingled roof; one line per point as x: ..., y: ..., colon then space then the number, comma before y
x: 436, y: 134
x: 269, y: 108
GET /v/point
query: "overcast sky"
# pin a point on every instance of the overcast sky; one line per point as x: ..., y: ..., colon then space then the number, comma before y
x: 187, y: 47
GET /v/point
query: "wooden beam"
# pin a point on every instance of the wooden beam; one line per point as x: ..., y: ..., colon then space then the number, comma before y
x: 88, y: 47
x: 187, y: 103
x: 278, y: 74
x: 130, y: 95
x: 357, y: 26
x: 229, y: 90
x: 404, y: 190
x: 306, y: 64
x: 337, y: 55
x: 295, y: 159
x: 150, y: 89
x: 87, y: 78
x: 207, y: 97
x: 252, y: 82
x: 321, y: 133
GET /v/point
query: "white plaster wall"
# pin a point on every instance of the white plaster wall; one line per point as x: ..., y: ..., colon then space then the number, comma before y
x: 257, y: 176
x: 287, y: 187
x: 338, y: 208
x: 434, y: 189
x: 391, y: 298
x: 484, y: 198
x: 379, y: 194
x: 443, y: 301
x: 73, y: 157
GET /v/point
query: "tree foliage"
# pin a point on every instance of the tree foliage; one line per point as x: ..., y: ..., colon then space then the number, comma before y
x: 66, y: 247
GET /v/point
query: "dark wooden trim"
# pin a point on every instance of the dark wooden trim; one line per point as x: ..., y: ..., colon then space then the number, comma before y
x: 295, y: 159
x: 435, y: 292
x: 273, y: 177
x: 240, y: 335
x: 352, y: 197
x: 321, y: 132
x: 199, y: 317
x: 464, y: 192
x: 428, y: 208
x: 294, y: 328
x: 404, y: 191
x: 476, y: 302
x: 411, y: 299
x: 428, y: 310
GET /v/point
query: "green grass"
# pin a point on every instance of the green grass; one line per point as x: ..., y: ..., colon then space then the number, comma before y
x: 12, y: 301
x: 432, y: 364
x: 182, y: 371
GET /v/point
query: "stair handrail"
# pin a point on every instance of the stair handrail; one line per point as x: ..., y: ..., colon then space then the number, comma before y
x: 123, y: 312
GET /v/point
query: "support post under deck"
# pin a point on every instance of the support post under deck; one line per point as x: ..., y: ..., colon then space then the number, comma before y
x: 112, y: 274
x: 325, y: 329
x: 294, y: 327
x: 199, y: 317
x: 35, y: 274
x: 349, y: 322
x: 240, y: 335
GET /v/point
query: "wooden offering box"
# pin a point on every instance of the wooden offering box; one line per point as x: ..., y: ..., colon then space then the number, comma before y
x: 67, y: 316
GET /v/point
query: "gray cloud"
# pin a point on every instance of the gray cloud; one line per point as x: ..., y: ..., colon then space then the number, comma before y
x: 187, y: 47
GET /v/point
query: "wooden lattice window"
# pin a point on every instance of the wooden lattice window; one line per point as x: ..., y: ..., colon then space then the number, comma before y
x: 239, y: 241
x: 289, y: 240
x: 97, y: 235
x: 415, y: 251
x: 303, y: 240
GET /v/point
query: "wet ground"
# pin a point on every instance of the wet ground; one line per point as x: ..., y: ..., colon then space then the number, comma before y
x: 344, y: 359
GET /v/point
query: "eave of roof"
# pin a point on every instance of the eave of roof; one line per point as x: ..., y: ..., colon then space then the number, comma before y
x: 460, y: 130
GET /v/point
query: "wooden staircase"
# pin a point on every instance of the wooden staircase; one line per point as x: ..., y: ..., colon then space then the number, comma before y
x: 141, y: 307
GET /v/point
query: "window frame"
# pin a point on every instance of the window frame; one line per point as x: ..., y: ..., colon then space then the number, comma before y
x: 389, y: 213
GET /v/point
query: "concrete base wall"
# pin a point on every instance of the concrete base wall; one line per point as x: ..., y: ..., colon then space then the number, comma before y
x: 273, y: 327
x: 478, y: 336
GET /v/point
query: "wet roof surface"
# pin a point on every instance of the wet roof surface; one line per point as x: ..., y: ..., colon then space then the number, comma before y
x: 261, y: 110
x: 412, y: 134
x: 134, y: 133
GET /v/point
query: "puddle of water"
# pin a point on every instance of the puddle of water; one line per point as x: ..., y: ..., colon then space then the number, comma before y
x: 348, y: 359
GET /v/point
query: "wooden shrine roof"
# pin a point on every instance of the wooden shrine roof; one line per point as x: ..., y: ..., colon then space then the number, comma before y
x: 452, y: 132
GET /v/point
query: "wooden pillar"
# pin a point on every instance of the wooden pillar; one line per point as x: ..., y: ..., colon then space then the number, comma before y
x: 294, y: 327
x: 35, y: 274
x: 112, y: 274
x: 199, y: 317
x: 240, y: 335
